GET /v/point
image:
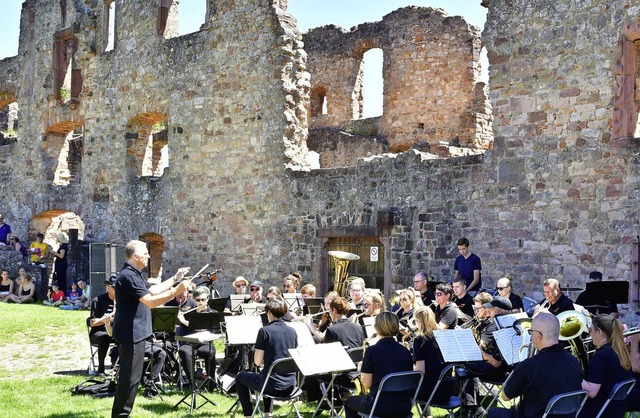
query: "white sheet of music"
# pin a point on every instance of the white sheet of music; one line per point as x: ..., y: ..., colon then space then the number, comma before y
x: 252, y: 308
x: 304, y: 336
x: 506, y: 321
x: 199, y: 337
x: 242, y: 329
x: 368, y: 322
x: 294, y: 300
x: 322, y: 358
x: 508, y: 342
x: 457, y: 345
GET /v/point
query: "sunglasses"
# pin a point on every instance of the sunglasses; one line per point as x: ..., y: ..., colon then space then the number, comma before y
x: 531, y: 331
x: 241, y: 285
x: 500, y: 288
x: 439, y: 293
x: 254, y: 289
x: 288, y: 285
x: 201, y: 299
x: 366, y: 305
x: 404, y: 300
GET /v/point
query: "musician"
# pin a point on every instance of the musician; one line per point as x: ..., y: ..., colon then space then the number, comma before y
x: 255, y: 292
x: 446, y: 315
x: 307, y: 291
x: 132, y: 322
x: 408, y: 303
x: 356, y: 292
x: 611, y: 364
x: 633, y: 399
x: 493, y: 366
x: 348, y: 334
x: 427, y: 358
x: 102, y: 308
x: 587, y: 298
x: 421, y: 284
x: 291, y: 284
x: 386, y: 356
x: 462, y: 299
x: 272, y: 343
x: 240, y: 285
x: 504, y: 288
x: 557, y: 300
x: 468, y: 266
x: 552, y: 371
x: 204, y: 350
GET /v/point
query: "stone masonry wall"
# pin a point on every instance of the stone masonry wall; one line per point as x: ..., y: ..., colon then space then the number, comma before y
x: 430, y: 69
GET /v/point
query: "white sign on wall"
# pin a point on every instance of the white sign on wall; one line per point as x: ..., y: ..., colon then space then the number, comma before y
x: 373, y: 254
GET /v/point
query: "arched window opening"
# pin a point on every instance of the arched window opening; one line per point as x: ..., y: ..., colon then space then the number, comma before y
x: 155, y: 246
x: 63, y: 152
x: 148, y: 145
x: 318, y: 101
x: 8, y: 123
x: 67, y: 79
x: 371, y: 92
x: 109, y: 26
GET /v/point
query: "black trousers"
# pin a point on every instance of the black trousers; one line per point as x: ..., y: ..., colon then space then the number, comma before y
x: 131, y: 369
x: 102, y: 340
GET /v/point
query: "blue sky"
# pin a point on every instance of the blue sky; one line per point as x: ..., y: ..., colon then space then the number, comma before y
x: 309, y: 13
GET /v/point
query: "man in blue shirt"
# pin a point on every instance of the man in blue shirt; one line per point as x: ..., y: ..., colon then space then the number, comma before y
x: 5, y: 230
x: 468, y: 266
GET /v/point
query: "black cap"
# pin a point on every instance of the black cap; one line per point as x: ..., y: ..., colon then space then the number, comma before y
x: 110, y: 281
x: 595, y: 275
x: 499, y: 302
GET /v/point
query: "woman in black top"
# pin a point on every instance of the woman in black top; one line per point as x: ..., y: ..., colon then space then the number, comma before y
x: 60, y: 262
x: 272, y: 343
x: 385, y: 357
x: 611, y: 364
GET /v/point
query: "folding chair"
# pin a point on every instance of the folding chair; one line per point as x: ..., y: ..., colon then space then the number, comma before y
x: 566, y: 403
x: 618, y: 393
x: 493, y: 389
x: 280, y: 366
x: 92, y: 369
x: 452, y: 404
x: 397, y: 382
x: 356, y: 354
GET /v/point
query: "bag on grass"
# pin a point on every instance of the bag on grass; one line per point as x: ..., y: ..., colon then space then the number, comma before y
x: 95, y: 388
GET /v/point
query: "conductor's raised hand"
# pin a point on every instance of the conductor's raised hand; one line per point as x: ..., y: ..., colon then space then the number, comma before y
x: 182, y: 271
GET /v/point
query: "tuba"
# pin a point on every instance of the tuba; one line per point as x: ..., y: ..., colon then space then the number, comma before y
x: 572, y: 325
x: 341, y: 261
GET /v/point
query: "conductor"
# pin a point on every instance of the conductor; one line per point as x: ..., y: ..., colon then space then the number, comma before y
x: 132, y: 322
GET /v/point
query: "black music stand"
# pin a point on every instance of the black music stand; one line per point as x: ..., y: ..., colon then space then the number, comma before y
x: 603, y: 296
x: 314, y: 305
x: 218, y: 304
x: 207, y: 321
x: 163, y: 320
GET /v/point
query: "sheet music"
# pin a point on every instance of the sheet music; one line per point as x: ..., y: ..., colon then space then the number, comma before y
x: 506, y: 321
x: 457, y: 345
x: 508, y: 342
x: 294, y: 300
x: 236, y: 300
x: 304, y: 336
x: 242, y: 329
x: 368, y: 322
x: 322, y: 358
x: 199, y: 337
x: 252, y: 308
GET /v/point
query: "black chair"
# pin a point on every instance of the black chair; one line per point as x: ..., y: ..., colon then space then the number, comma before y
x: 397, y: 382
x: 356, y: 355
x: 566, y: 403
x: 618, y: 393
x: 450, y: 406
x: 280, y: 366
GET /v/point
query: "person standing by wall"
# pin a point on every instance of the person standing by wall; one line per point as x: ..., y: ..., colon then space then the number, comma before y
x: 468, y: 266
x: 60, y: 261
x: 132, y: 322
x: 5, y: 230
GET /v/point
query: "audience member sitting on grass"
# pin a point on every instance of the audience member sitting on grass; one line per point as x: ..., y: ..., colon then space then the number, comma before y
x: 85, y: 300
x: 6, y: 286
x: 73, y: 294
x: 16, y: 283
x: 55, y: 295
x: 26, y: 291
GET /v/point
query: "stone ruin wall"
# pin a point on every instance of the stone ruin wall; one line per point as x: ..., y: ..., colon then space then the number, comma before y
x: 557, y: 196
x: 431, y: 76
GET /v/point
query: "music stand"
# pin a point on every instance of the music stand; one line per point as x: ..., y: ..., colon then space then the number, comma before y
x: 252, y: 308
x: 206, y: 321
x: 314, y: 305
x: 218, y: 304
x: 606, y: 293
x: 294, y: 300
x: 163, y: 320
x: 236, y: 300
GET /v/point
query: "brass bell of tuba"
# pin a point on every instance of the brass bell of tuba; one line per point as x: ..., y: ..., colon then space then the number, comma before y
x: 341, y: 261
x: 572, y: 325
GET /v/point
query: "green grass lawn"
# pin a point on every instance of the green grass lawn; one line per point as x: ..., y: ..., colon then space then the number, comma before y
x: 45, y: 353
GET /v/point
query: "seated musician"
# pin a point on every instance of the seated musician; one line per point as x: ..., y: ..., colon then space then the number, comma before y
x: 386, y: 356
x: 633, y: 400
x: 492, y: 367
x: 102, y: 309
x: 506, y: 291
x: 446, y: 315
x: 307, y: 291
x: 587, y: 299
x: 205, y: 350
x: 462, y: 299
x: 272, y: 343
x: 291, y: 283
x: 275, y: 292
x: 356, y: 293
x: 611, y: 364
x: 373, y: 304
x: 184, y: 301
x: 421, y: 284
x: 318, y: 330
x: 555, y: 301
x: 427, y: 358
x: 552, y: 371
x: 408, y: 303
x: 345, y: 332
x: 240, y: 284
x: 255, y: 292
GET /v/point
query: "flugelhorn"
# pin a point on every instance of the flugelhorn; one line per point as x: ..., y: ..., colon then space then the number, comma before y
x: 341, y: 261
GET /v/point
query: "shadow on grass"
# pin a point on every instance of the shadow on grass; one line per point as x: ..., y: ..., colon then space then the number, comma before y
x: 82, y: 372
